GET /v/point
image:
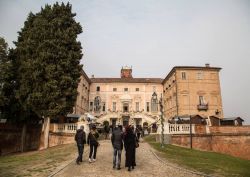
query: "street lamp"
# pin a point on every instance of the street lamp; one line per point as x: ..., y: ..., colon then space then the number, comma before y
x: 191, y: 138
x: 162, y: 125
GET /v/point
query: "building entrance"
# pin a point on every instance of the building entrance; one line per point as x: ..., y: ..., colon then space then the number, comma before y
x: 125, y: 121
x: 113, y: 122
x: 138, y: 121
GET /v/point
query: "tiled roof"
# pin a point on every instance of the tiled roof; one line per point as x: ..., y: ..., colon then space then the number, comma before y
x: 126, y: 80
x: 231, y: 118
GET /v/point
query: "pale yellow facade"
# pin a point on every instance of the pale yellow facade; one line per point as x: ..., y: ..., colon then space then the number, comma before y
x: 82, y: 100
x: 192, y: 91
x: 125, y: 103
x: 135, y: 101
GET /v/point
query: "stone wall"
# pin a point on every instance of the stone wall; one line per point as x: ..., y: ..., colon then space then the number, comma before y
x: 234, y: 144
x: 230, y: 129
x: 11, y: 135
x: 10, y: 138
x: 61, y: 138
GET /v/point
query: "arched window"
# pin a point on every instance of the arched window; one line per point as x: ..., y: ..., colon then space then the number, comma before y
x: 154, y: 103
x: 97, y: 104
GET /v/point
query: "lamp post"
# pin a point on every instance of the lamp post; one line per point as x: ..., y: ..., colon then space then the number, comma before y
x: 191, y: 138
x: 162, y: 124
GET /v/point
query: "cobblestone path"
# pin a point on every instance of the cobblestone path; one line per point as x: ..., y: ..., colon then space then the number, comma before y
x: 147, y: 165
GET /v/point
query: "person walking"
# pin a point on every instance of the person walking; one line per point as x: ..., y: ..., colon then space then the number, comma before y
x: 80, y: 139
x: 117, y: 143
x: 138, y: 132
x: 93, y: 143
x: 130, y: 145
x: 106, y: 131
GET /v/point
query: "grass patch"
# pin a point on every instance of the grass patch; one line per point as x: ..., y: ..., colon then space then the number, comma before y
x: 37, y: 163
x: 206, y: 162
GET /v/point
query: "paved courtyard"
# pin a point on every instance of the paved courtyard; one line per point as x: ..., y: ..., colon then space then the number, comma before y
x: 147, y: 165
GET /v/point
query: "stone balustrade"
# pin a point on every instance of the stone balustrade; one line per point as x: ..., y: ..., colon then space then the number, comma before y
x: 180, y: 129
x: 175, y: 128
x: 68, y: 127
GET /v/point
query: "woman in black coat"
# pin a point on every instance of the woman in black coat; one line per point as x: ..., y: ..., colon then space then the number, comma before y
x: 129, y: 144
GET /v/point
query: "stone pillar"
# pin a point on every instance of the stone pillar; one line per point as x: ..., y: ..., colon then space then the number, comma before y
x: 46, y: 132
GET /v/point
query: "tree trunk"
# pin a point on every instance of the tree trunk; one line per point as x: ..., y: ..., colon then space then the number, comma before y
x: 46, y: 132
x: 23, y: 137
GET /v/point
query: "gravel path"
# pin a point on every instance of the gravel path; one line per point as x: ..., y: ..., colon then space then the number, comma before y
x: 147, y: 165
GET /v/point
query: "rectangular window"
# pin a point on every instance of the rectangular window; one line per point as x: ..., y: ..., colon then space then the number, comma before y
x: 114, y: 106
x: 98, y: 88
x: 201, y: 100
x: 114, y: 89
x: 125, y: 107
x: 125, y: 89
x: 183, y: 75
x: 137, y: 106
x: 137, y: 89
x: 147, y: 106
x: 200, y: 75
x: 91, y: 106
x: 103, y: 107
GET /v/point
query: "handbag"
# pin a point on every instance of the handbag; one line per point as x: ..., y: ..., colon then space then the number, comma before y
x: 136, y: 144
x: 98, y: 144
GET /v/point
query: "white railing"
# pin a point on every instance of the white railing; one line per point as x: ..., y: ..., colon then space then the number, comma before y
x: 176, y: 128
x: 180, y: 129
x: 64, y: 128
x: 68, y: 127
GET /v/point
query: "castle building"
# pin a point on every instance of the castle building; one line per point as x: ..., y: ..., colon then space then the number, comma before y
x: 192, y: 90
x: 186, y: 90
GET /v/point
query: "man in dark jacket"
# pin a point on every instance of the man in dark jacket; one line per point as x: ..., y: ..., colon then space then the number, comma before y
x: 80, y: 139
x: 117, y: 143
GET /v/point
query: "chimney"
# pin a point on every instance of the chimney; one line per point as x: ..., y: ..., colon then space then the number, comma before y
x: 92, y: 76
x: 207, y: 65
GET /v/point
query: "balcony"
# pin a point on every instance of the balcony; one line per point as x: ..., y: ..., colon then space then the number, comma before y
x: 125, y: 113
x: 202, y: 107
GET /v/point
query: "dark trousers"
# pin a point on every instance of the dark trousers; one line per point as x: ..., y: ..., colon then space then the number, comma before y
x: 80, y: 152
x: 138, y: 136
x: 117, y: 158
x: 93, y: 149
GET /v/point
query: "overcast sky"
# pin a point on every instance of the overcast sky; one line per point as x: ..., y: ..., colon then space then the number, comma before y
x: 153, y: 36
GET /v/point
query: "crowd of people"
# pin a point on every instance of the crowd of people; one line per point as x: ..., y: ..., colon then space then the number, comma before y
x: 121, y: 138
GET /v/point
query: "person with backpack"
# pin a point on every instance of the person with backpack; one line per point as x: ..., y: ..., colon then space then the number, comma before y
x: 93, y: 143
x: 80, y: 139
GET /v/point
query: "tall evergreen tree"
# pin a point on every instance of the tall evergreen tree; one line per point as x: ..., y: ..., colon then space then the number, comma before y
x: 4, y: 77
x: 48, y: 55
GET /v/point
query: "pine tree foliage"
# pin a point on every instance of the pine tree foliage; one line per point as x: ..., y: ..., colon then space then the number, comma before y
x: 4, y: 76
x: 48, y: 55
x: 9, y: 107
